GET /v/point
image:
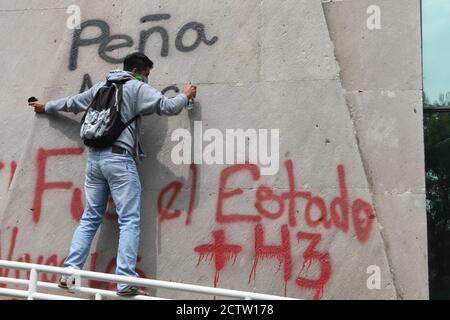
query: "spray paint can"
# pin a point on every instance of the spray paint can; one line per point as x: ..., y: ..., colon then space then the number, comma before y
x: 190, y: 105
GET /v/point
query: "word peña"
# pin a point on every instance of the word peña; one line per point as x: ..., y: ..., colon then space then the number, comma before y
x: 109, y: 43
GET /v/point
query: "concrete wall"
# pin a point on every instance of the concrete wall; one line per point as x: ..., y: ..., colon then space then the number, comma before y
x: 381, y: 74
x: 347, y: 102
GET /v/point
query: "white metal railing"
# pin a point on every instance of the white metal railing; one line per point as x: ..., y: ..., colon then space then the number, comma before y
x: 76, y: 275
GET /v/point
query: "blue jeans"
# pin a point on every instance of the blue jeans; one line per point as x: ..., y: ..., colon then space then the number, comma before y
x: 106, y: 173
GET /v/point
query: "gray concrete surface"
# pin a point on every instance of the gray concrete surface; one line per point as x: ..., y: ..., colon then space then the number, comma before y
x: 381, y: 73
x: 297, y: 66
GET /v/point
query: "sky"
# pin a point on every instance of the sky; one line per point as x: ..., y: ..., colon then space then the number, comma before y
x: 436, y: 47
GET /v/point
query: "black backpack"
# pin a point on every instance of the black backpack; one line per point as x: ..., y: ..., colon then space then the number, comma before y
x: 101, y: 125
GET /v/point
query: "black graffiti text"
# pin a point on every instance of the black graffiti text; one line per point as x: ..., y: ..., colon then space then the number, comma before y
x: 108, y: 43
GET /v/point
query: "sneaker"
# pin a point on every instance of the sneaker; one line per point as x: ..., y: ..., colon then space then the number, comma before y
x: 62, y: 282
x: 132, y: 291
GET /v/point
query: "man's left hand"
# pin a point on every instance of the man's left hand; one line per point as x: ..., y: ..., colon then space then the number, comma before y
x: 39, y: 106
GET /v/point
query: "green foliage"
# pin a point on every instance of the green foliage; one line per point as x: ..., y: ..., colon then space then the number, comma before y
x: 437, y: 163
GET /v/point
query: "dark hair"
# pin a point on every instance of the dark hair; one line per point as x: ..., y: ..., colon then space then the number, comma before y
x: 137, y: 60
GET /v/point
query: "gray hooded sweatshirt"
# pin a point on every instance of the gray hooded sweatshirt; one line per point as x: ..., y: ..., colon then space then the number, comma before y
x: 138, y: 99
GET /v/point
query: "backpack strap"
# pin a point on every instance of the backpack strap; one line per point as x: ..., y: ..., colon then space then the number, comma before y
x: 121, y: 82
x: 135, y: 101
x: 131, y: 121
x: 137, y: 142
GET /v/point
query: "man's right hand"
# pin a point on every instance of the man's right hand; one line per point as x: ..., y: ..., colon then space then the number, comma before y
x: 39, y: 106
x: 190, y: 90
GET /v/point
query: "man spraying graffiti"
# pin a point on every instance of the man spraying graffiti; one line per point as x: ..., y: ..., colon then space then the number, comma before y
x: 110, y: 128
